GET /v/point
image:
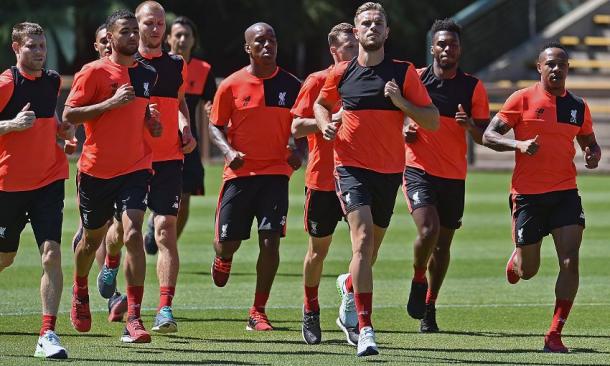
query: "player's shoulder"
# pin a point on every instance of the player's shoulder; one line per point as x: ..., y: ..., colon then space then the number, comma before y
x: 195, y: 61
x: 320, y: 75
x: 402, y: 63
x: 52, y: 74
x: 288, y: 78
x: 177, y: 59
x: 6, y: 76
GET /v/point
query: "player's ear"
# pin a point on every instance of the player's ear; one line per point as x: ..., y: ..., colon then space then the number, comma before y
x: 333, y: 50
x: 247, y: 48
x: 16, y: 47
x: 539, y: 67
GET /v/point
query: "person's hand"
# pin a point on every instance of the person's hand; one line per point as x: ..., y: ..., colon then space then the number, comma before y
x: 295, y: 159
x: 330, y: 131
x: 65, y: 131
x: 410, y: 132
x: 529, y: 147
x: 592, y: 157
x: 153, y: 121
x: 188, y: 141
x: 123, y: 95
x: 235, y: 159
x: 207, y: 108
x: 392, y: 91
x: 24, y: 119
x: 70, y: 146
x: 462, y: 118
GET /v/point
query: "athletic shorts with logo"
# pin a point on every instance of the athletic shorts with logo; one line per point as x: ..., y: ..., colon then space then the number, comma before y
x: 357, y: 187
x: 447, y: 195
x: 166, y: 187
x: 100, y: 199
x: 536, y: 215
x: 322, y: 212
x: 243, y: 198
x: 42, y: 207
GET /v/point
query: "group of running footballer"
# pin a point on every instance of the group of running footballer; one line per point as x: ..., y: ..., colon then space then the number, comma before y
x: 369, y: 125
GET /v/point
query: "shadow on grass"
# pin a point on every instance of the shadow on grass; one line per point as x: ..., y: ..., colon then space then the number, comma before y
x: 253, y: 274
x: 248, y: 352
x: 131, y: 361
x: 62, y: 335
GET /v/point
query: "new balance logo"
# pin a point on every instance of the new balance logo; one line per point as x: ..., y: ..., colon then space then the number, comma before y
x: 265, y: 224
x: 2, y: 232
x: 582, y: 215
x: 348, y: 199
x: 520, y: 235
x: 85, y: 219
x: 416, y: 200
x: 283, y: 221
x: 146, y: 91
x: 281, y: 98
x: 573, y: 116
x: 539, y: 113
x: 223, y: 230
x: 176, y: 203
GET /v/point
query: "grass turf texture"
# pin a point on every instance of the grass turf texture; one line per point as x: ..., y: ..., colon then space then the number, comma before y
x: 484, y: 320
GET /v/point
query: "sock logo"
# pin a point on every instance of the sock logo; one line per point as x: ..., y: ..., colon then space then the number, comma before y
x: 2, y: 232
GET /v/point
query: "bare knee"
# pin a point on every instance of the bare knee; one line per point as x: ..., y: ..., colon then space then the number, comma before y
x: 51, y: 257
x: 569, y: 264
x: 429, y: 231
x: 132, y: 237
x: 528, y: 272
x: 6, y: 259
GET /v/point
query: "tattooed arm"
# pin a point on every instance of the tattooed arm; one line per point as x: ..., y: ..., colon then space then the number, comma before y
x: 494, y: 139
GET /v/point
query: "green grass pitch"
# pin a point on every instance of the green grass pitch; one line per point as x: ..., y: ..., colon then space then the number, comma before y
x: 484, y: 320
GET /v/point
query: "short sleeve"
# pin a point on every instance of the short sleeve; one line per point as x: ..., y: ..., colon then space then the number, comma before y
x: 7, y: 86
x: 587, y: 126
x: 209, y: 88
x: 303, y: 107
x: 222, y: 108
x: 83, y: 88
x: 184, y: 73
x: 414, y: 90
x: 512, y: 110
x: 330, y: 90
x: 480, y: 102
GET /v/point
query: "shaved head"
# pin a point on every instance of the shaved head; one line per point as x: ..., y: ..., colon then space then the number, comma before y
x: 251, y: 31
x: 148, y: 5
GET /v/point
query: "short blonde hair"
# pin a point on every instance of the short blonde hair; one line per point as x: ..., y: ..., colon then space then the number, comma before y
x: 369, y: 6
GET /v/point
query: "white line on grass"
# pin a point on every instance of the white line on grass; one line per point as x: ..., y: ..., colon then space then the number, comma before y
x: 290, y: 307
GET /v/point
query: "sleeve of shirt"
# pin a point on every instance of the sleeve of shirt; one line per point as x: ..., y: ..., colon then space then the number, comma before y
x: 222, y: 108
x: 303, y: 107
x: 83, y: 89
x: 330, y: 90
x: 512, y: 110
x: 184, y: 73
x: 6, y: 88
x: 209, y: 88
x: 414, y: 90
x: 587, y: 126
x: 480, y: 102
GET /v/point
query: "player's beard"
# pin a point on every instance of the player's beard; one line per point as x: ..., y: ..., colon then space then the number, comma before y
x: 447, y: 65
x: 127, y: 50
x: 371, y: 46
x: 151, y: 44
